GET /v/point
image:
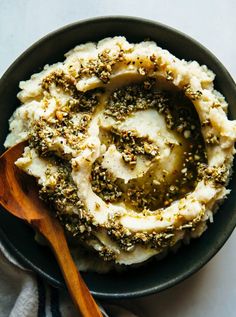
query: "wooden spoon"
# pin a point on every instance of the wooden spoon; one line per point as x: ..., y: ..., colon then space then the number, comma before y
x: 19, y: 196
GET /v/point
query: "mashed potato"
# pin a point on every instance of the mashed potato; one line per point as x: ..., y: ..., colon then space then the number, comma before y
x: 130, y: 145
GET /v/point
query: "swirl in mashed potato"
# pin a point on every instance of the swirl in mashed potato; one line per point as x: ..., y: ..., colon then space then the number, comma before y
x: 130, y: 145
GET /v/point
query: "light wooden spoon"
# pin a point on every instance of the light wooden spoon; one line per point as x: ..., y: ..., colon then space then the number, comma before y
x: 19, y: 196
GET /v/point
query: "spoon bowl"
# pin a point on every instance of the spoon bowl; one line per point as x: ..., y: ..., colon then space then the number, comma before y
x: 19, y: 196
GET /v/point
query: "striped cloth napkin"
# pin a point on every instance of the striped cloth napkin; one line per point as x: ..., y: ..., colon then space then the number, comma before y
x: 23, y: 294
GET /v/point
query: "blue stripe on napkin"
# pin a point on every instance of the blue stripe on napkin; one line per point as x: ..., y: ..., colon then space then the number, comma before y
x: 54, y: 302
x: 41, y: 298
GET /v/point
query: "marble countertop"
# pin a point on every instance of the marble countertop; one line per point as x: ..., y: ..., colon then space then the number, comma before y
x: 211, y: 291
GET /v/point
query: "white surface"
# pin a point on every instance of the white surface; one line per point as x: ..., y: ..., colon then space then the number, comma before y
x: 212, y: 291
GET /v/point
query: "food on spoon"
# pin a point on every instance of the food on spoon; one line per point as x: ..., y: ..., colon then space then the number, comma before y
x: 130, y: 145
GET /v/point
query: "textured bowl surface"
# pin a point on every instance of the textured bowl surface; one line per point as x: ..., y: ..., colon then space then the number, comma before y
x: 155, y: 276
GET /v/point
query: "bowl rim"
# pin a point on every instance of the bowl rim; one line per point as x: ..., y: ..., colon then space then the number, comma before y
x: 174, y: 281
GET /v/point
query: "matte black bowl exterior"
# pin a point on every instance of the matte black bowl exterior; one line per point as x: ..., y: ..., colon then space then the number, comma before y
x: 154, y: 276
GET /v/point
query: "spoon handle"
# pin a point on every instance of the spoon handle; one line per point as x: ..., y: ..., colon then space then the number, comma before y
x: 78, y: 290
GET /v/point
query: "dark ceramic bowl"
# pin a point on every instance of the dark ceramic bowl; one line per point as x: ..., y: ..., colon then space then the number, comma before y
x: 154, y: 276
